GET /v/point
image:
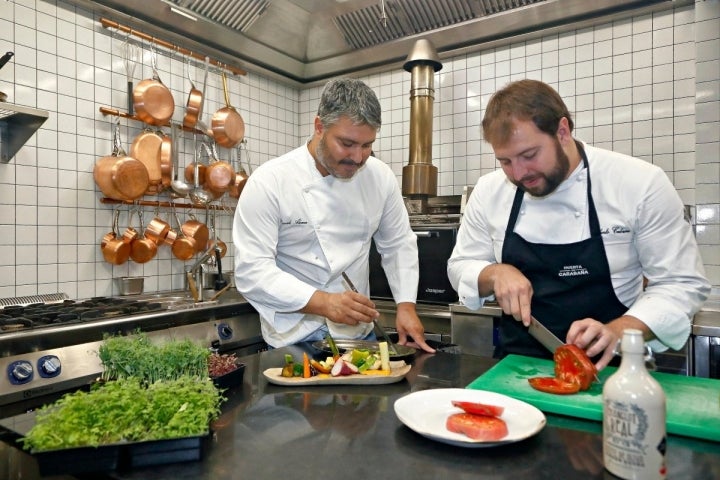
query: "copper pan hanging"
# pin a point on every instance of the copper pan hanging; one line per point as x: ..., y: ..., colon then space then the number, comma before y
x: 228, y: 127
x: 152, y: 100
x: 196, y: 99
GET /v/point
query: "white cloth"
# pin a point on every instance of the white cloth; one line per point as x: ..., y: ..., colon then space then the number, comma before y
x: 296, y: 231
x: 642, y: 225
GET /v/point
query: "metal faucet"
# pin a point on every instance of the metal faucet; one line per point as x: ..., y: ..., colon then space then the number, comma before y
x: 213, y: 252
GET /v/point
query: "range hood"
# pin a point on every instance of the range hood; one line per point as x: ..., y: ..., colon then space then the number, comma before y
x: 306, y: 41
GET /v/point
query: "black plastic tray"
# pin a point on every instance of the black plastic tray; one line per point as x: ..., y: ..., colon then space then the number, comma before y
x: 122, y: 456
x: 231, y: 379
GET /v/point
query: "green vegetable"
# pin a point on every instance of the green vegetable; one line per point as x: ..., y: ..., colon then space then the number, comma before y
x: 137, y: 356
x: 126, y: 410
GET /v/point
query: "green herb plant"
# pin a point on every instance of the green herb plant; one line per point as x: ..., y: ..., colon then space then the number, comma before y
x: 126, y: 410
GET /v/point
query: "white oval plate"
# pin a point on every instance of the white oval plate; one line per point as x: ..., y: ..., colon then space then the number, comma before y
x: 426, y: 412
x: 398, y: 370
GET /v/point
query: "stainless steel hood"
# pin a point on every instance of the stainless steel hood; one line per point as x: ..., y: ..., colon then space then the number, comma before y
x: 305, y: 41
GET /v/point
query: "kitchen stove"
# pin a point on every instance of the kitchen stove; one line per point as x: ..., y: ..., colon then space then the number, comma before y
x: 49, y: 347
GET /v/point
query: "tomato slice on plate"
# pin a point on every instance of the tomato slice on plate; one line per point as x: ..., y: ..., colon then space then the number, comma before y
x: 479, y: 408
x: 572, y: 365
x: 477, y: 427
x: 554, y: 385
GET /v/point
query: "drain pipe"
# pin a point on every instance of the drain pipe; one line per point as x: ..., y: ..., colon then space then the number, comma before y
x: 419, y: 176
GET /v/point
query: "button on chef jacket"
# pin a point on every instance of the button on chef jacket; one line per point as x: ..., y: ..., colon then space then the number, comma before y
x: 296, y: 231
x: 642, y: 226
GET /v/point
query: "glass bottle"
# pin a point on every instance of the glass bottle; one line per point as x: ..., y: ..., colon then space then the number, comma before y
x: 634, y: 431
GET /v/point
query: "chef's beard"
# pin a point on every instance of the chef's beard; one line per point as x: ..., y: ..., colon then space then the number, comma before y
x: 553, y: 179
x: 321, y: 156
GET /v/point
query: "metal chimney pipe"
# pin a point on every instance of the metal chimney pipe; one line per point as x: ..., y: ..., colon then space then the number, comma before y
x: 419, y: 177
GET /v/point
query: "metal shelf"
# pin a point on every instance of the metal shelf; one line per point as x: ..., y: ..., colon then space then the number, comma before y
x: 17, y: 125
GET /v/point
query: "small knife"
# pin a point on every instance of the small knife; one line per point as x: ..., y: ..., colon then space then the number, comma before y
x: 548, y: 339
x: 391, y: 347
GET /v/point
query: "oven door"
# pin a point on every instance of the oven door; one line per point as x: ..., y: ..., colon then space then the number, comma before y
x: 435, y: 244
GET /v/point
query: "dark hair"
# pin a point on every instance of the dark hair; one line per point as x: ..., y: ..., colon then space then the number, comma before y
x: 350, y: 98
x: 523, y: 100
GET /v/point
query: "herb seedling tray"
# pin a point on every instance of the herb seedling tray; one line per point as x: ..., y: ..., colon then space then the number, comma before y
x: 230, y: 379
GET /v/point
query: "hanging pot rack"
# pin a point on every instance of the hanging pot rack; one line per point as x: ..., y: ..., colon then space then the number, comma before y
x: 158, y: 203
x: 107, y: 23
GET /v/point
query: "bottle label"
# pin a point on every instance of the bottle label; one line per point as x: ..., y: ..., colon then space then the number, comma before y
x: 632, y: 446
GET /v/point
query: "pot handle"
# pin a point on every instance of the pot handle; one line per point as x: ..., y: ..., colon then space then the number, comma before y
x: 118, y: 150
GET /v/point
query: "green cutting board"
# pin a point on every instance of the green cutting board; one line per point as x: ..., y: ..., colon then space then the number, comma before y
x: 693, y: 404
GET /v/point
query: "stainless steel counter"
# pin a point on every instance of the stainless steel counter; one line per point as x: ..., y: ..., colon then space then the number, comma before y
x: 268, y: 432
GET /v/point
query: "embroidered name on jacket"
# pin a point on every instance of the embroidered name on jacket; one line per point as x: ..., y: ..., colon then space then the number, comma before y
x: 573, y: 271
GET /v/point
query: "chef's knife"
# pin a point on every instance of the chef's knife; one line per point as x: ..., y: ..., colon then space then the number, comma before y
x: 548, y: 339
x: 543, y: 335
x: 391, y: 347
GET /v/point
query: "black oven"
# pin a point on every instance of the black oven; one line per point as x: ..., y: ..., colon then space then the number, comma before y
x: 435, y: 244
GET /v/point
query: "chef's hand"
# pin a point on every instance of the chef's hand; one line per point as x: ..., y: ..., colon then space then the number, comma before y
x: 347, y: 307
x: 513, y: 291
x: 408, y: 323
x: 598, y: 338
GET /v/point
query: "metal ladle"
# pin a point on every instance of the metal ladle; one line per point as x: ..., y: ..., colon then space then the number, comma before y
x: 198, y: 195
x: 178, y: 186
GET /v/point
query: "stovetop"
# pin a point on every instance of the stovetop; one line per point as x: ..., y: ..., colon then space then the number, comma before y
x: 15, y: 318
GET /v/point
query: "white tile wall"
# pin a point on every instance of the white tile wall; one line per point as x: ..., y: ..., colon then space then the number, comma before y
x: 647, y: 86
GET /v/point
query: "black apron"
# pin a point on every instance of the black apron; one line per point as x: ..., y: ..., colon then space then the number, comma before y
x: 570, y: 282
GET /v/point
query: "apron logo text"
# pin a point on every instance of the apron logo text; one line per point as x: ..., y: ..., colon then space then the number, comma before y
x: 573, y: 271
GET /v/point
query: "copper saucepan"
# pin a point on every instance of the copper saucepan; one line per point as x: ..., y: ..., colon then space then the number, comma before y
x: 146, y: 148
x: 152, y: 100
x: 196, y: 230
x: 195, y: 101
x: 142, y: 249
x: 228, y: 127
x: 115, y: 249
x: 119, y: 175
x: 183, y: 247
x: 241, y: 176
x: 219, y: 174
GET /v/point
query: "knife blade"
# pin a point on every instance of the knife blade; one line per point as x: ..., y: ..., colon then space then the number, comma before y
x: 541, y: 333
x: 386, y: 338
x: 548, y: 339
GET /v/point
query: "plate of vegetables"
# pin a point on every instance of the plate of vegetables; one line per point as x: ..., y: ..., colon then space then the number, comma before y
x: 359, y: 366
x: 400, y: 351
x: 469, y: 418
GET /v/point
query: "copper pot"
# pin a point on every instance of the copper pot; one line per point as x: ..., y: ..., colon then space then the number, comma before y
x: 228, y: 127
x: 115, y: 250
x: 219, y: 175
x: 241, y: 178
x: 196, y: 230
x: 142, y: 249
x: 157, y: 230
x: 146, y: 148
x: 152, y: 100
x: 194, y: 105
x: 119, y: 175
x: 183, y: 247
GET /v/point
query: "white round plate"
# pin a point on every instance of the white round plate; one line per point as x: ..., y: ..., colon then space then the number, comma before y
x: 426, y: 412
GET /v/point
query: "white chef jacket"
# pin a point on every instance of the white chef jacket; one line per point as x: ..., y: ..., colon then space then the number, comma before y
x: 296, y: 231
x: 643, y: 230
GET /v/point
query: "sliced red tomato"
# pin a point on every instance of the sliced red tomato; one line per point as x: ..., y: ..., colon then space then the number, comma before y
x: 477, y: 427
x: 480, y: 408
x: 573, y: 365
x: 553, y: 385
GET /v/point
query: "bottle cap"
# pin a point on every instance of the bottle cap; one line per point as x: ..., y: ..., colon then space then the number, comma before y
x: 632, y: 341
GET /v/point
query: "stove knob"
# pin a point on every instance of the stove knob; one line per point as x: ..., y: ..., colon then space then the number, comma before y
x: 20, y: 372
x: 49, y: 366
x: 225, y: 331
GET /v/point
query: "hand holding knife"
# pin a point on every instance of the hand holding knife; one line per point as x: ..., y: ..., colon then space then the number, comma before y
x: 391, y: 347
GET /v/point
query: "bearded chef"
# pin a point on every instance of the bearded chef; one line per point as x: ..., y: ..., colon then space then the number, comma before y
x: 308, y: 216
x: 566, y: 232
